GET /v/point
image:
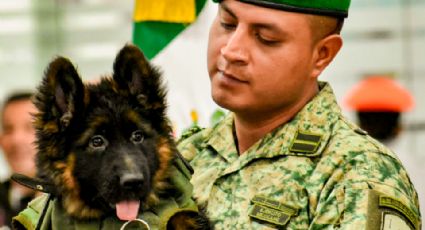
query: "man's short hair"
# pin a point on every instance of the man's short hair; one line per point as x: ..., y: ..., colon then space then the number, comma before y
x: 16, y: 96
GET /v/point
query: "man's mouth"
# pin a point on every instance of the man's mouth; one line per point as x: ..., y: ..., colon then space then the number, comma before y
x: 227, y: 76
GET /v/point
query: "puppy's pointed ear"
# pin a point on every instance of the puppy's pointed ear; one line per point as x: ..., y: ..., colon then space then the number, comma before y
x: 61, y: 93
x: 134, y: 74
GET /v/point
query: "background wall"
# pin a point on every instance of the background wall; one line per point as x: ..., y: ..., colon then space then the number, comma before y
x: 381, y: 36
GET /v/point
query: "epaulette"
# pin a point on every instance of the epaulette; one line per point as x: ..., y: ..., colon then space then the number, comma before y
x: 189, y: 132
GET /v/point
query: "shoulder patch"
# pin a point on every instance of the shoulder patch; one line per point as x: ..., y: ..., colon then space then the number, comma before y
x: 389, y: 202
x: 304, y: 142
x: 387, y: 213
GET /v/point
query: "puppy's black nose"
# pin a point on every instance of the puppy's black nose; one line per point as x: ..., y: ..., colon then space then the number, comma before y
x: 132, y: 181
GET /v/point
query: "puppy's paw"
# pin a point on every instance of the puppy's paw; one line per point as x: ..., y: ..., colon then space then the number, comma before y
x: 189, y: 221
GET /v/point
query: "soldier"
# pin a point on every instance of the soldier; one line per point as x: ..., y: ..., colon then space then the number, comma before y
x: 285, y: 157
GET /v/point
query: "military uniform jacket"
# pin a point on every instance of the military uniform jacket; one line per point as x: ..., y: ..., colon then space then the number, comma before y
x: 317, y: 171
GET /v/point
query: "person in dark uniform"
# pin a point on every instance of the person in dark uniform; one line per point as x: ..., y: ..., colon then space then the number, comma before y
x: 379, y: 102
x: 16, y: 140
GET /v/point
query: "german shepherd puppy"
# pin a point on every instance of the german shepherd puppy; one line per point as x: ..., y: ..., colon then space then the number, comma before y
x: 107, y: 147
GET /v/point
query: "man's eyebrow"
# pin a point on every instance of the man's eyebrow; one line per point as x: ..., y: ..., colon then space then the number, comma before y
x: 267, y: 26
x: 223, y: 6
x: 271, y: 27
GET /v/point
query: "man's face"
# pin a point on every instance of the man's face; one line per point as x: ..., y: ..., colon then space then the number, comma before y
x: 260, y: 60
x: 18, y: 136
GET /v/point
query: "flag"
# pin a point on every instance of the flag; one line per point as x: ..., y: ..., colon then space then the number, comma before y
x: 158, y: 22
x: 173, y: 34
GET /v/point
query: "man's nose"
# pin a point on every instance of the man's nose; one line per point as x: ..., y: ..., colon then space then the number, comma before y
x: 235, y: 49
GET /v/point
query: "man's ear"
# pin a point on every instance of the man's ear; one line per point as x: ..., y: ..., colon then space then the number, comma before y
x: 324, y: 52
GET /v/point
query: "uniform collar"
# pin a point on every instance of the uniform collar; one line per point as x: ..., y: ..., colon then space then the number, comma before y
x: 306, y: 134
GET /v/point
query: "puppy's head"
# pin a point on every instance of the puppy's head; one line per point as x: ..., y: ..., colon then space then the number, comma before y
x: 105, y: 146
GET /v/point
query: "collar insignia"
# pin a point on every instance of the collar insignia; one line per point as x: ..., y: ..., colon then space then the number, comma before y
x: 305, y: 142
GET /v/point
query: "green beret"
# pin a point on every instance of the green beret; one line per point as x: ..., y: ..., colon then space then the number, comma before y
x: 334, y: 8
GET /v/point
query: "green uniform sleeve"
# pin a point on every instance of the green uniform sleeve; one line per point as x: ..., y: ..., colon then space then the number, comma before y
x: 28, y: 218
x: 366, y: 206
x: 374, y: 194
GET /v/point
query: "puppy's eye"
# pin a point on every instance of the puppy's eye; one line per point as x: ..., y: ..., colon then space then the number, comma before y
x: 98, y: 141
x: 137, y: 137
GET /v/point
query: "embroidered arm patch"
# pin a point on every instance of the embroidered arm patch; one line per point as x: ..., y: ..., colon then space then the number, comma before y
x: 388, y: 213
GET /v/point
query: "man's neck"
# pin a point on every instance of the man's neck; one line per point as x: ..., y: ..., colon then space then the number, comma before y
x: 248, y: 132
x: 250, y: 128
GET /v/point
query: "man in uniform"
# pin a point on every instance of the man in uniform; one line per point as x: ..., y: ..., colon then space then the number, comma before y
x: 285, y: 157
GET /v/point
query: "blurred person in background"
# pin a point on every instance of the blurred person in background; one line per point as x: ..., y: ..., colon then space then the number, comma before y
x: 17, y: 142
x: 379, y: 103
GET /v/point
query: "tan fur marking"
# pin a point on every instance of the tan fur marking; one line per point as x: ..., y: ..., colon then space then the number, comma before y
x: 115, y: 87
x: 165, y: 155
x: 60, y: 165
x: 37, y: 122
x: 67, y: 176
x: 133, y: 116
x: 72, y: 202
x: 51, y: 150
x: 92, y: 128
x: 50, y: 127
x: 183, y: 221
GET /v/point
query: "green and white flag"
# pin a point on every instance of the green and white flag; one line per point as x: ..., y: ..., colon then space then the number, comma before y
x: 158, y: 22
x: 173, y: 34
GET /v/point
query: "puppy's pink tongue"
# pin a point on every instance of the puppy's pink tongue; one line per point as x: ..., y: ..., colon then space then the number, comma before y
x: 128, y: 209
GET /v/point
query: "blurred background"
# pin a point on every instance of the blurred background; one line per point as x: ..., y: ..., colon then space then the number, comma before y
x: 383, y: 37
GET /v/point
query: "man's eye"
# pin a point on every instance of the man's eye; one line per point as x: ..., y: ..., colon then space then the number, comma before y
x: 137, y: 137
x: 228, y: 26
x: 266, y: 41
x: 98, y: 141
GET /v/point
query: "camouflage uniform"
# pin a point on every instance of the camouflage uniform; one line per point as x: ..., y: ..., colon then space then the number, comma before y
x: 318, y: 171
